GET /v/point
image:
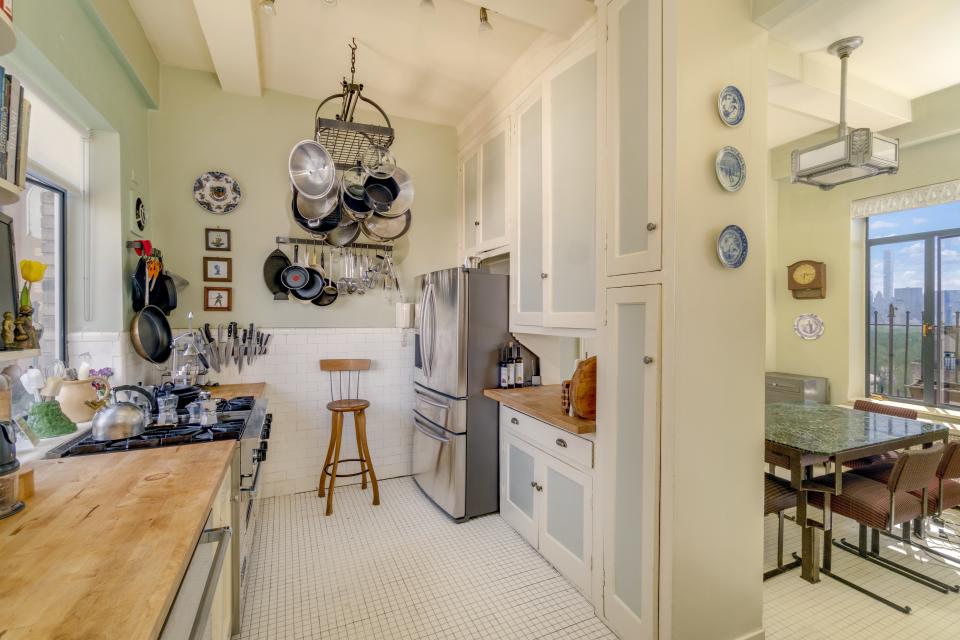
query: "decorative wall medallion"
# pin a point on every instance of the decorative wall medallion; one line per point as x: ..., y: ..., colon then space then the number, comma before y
x: 732, y: 247
x: 731, y: 169
x: 140, y: 213
x: 217, y: 192
x: 731, y: 106
x: 808, y: 326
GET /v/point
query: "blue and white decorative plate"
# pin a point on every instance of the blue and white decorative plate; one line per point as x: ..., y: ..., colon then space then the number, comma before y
x: 732, y: 247
x: 808, y: 326
x: 731, y: 106
x: 731, y: 168
x: 217, y: 192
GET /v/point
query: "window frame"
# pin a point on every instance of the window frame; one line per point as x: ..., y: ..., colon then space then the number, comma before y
x: 931, y: 358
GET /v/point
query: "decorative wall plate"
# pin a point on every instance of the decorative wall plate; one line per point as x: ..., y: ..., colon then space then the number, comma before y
x: 731, y: 106
x: 808, y: 326
x: 732, y: 247
x: 731, y: 168
x: 140, y: 213
x: 217, y: 192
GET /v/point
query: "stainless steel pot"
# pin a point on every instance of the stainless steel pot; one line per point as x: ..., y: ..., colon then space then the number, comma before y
x: 118, y: 421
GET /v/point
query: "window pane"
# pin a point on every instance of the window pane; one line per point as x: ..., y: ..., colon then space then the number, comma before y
x: 949, y: 305
x: 37, y: 224
x: 895, y: 319
x: 904, y: 223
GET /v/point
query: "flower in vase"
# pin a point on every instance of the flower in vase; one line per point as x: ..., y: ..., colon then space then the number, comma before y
x: 31, y: 271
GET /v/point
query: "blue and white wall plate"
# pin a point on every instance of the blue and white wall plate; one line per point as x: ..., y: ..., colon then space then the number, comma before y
x: 217, y: 192
x: 732, y: 247
x: 808, y: 326
x: 731, y: 106
x: 731, y: 169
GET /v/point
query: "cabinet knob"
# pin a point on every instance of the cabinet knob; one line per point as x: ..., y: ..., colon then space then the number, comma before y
x: 543, y: 276
x: 539, y: 487
x: 561, y: 443
x: 648, y: 359
x: 476, y: 223
x: 514, y: 421
x: 651, y: 226
x: 533, y: 484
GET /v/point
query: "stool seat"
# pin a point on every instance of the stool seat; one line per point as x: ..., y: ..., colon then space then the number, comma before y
x: 348, y: 406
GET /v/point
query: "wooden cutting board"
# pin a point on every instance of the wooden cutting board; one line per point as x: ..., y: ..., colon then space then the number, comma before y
x: 583, y: 389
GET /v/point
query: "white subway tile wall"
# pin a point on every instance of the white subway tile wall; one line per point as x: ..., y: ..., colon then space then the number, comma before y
x: 298, y: 393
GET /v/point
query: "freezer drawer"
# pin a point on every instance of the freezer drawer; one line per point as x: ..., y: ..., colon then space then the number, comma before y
x: 441, y: 410
x: 440, y: 465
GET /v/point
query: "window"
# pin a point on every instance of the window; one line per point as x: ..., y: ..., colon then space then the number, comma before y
x: 913, y: 305
x: 38, y: 224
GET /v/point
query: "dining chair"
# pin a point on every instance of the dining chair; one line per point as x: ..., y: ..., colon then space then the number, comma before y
x: 878, y: 506
x: 876, y: 407
x: 778, y: 496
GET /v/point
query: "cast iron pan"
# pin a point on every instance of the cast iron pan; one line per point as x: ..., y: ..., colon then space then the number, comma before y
x: 273, y: 267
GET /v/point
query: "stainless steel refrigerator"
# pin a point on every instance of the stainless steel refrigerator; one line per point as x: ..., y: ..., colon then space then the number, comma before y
x: 461, y: 321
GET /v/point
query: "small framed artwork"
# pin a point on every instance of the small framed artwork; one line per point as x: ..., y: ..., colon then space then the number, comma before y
x: 218, y: 240
x: 218, y: 298
x: 218, y: 269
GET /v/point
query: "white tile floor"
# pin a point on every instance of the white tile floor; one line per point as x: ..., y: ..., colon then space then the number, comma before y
x: 402, y: 570
x: 797, y: 610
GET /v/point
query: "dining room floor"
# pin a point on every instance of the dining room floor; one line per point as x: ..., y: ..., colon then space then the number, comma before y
x: 402, y: 570
x: 794, y: 609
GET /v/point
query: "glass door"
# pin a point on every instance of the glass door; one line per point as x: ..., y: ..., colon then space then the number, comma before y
x: 948, y: 320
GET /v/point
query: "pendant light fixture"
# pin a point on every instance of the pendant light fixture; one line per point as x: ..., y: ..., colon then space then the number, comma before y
x: 484, y: 21
x: 854, y: 154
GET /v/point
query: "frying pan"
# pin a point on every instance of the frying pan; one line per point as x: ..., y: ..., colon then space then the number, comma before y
x: 326, y: 298
x: 385, y: 229
x: 151, y: 335
x: 314, y: 225
x: 312, y: 288
x: 273, y: 267
x: 164, y: 294
x: 344, y: 234
x: 295, y: 276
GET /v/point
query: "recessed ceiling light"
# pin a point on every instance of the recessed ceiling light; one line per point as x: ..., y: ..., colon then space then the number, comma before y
x: 428, y: 5
x: 484, y: 21
x: 269, y: 7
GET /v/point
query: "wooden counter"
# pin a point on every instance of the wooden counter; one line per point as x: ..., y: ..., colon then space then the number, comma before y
x: 102, y: 547
x: 542, y: 403
x: 230, y: 391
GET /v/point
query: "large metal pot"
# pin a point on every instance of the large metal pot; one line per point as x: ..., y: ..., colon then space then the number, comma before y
x: 118, y: 421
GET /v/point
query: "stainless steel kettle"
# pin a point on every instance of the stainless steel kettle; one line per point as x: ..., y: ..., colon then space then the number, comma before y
x: 118, y: 420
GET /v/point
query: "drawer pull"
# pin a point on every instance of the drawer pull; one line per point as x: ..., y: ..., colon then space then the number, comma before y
x: 514, y: 421
x: 561, y: 443
x: 648, y: 359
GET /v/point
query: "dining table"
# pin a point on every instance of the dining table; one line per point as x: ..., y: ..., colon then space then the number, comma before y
x: 800, y: 436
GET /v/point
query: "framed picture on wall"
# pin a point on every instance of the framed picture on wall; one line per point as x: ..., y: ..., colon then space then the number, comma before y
x: 218, y: 269
x: 218, y: 239
x: 218, y: 298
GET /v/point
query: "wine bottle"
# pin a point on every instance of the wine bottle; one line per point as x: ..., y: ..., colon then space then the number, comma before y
x: 511, y: 367
x: 504, y: 382
x: 518, y: 367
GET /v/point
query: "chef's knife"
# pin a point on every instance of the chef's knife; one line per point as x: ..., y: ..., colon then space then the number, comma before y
x: 251, y: 336
x: 212, y: 354
x: 219, y: 344
x: 266, y: 341
x: 241, y: 347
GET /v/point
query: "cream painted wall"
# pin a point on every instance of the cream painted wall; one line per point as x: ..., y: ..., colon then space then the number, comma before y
x: 202, y: 128
x: 772, y: 237
x: 714, y: 326
x: 816, y: 225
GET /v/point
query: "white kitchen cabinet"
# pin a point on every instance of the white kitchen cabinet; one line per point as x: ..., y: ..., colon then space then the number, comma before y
x: 470, y: 194
x: 483, y: 192
x: 548, y: 500
x: 527, y: 256
x: 628, y: 456
x: 633, y: 175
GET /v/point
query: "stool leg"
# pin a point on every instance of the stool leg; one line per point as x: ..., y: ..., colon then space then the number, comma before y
x: 361, y: 421
x: 321, y: 490
x: 360, y: 453
x: 338, y: 426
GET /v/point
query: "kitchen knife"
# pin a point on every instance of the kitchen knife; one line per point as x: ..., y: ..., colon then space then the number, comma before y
x: 266, y: 341
x: 241, y: 348
x: 236, y: 342
x: 220, y: 343
x: 212, y: 354
x: 251, y: 336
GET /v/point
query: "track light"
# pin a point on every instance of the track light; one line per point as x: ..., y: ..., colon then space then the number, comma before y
x: 269, y: 7
x: 428, y: 5
x: 484, y: 22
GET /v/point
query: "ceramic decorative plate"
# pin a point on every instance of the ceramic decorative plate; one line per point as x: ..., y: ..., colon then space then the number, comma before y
x: 140, y: 213
x: 808, y: 326
x: 731, y: 106
x: 731, y: 169
x: 217, y: 192
x: 732, y: 247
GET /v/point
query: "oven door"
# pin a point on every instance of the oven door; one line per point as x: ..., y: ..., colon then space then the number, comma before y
x: 440, y: 465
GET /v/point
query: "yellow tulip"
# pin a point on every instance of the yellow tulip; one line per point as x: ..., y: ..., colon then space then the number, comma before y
x: 32, y: 270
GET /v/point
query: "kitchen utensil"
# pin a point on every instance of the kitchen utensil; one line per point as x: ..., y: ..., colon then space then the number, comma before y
x: 79, y: 399
x: 138, y: 396
x: 295, y: 276
x: 312, y: 288
x: 150, y: 333
x: 378, y: 161
x: 378, y: 197
x: 210, y: 348
x: 329, y: 287
x: 385, y: 229
x: 164, y: 293
x: 117, y: 421
x: 51, y: 387
x: 317, y: 225
x: 33, y: 380
x: 167, y: 409
x: 311, y: 169
x: 583, y: 389
x: 10, y: 502
x: 344, y: 234
x: 316, y: 208
x: 241, y: 351
x: 266, y: 343
x: 252, y: 336
x: 403, y: 198
x: 185, y: 394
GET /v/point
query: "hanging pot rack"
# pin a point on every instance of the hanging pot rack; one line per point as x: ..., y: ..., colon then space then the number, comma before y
x: 321, y: 240
x: 347, y: 141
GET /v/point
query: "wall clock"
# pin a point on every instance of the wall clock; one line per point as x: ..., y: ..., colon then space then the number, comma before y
x: 807, y: 279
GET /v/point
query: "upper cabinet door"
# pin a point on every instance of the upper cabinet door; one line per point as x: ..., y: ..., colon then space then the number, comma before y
x: 570, y: 183
x: 493, y: 189
x: 470, y: 177
x: 633, y: 136
x: 528, y: 255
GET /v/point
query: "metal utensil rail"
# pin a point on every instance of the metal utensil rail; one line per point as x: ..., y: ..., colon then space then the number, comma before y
x: 320, y: 240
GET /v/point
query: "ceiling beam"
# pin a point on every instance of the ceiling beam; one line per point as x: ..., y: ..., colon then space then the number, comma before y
x: 562, y: 17
x: 230, y: 29
x: 770, y: 13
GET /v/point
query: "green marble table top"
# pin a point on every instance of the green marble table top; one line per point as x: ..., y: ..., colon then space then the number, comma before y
x: 827, y: 429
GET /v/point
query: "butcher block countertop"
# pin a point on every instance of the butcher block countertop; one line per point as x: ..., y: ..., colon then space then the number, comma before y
x: 231, y: 391
x: 542, y: 403
x: 103, y: 545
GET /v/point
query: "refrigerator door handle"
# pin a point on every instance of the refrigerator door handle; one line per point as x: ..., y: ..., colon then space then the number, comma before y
x: 423, y: 330
x: 433, y: 325
x: 430, y: 433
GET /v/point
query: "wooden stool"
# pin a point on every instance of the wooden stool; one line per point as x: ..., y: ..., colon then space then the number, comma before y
x: 347, y: 403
